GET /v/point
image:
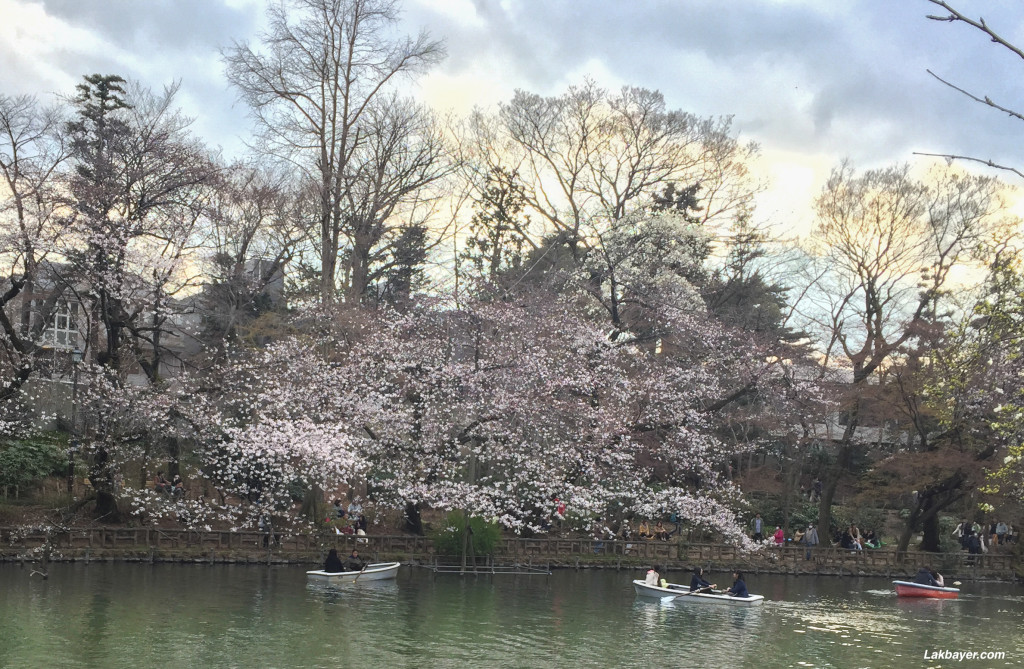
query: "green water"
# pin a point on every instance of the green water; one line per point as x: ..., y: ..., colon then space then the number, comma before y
x: 130, y: 615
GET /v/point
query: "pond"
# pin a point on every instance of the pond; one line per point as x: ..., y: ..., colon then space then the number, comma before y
x: 133, y: 615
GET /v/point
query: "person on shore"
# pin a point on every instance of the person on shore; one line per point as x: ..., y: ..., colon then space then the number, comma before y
x: 758, y: 528
x: 653, y: 576
x: 739, y: 586
x: 779, y: 536
x: 1001, y: 529
x: 798, y: 537
x: 333, y: 565
x: 697, y: 581
x: 660, y: 532
x: 816, y: 490
x: 973, y: 543
x: 626, y: 530
x: 161, y: 484
x: 644, y: 531
x: 871, y: 540
x: 355, y: 507
x: 339, y: 509
x: 810, y: 541
x: 924, y: 577
x: 961, y: 533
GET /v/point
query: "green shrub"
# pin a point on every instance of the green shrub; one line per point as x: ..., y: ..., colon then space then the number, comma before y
x: 26, y: 462
x: 448, y: 539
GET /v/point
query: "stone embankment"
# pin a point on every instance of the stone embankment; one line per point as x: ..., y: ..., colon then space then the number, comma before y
x: 252, y: 547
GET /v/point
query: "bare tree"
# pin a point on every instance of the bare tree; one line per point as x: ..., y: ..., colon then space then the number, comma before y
x: 887, y: 245
x: 255, y: 227
x: 310, y: 91
x: 590, y: 157
x: 32, y: 152
x: 135, y: 200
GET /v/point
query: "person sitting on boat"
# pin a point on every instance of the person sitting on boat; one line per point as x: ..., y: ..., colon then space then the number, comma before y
x: 924, y: 577
x: 332, y: 564
x: 938, y: 578
x: 697, y: 581
x: 739, y: 587
x: 653, y: 577
x: 354, y: 562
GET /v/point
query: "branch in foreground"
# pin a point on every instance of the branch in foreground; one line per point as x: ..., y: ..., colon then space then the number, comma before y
x: 989, y: 163
x: 985, y: 100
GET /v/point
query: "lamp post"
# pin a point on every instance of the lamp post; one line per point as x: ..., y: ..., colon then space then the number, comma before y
x: 76, y: 357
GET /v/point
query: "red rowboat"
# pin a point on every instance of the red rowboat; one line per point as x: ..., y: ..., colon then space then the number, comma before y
x: 908, y: 589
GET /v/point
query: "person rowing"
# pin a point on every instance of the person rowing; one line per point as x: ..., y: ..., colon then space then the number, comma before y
x: 739, y: 587
x: 697, y: 581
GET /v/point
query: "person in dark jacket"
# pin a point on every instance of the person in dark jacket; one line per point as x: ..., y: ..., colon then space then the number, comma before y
x: 924, y: 577
x: 739, y: 587
x: 697, y: 581
x: 333, y: 564
x: 354, y: 562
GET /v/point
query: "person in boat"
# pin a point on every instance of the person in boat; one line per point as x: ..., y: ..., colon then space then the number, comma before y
x: 739, y: 586
x: 938, y: 578
x: 924, y: 577
x: 353, y: 562
x: 332, y: 564
x: 653, y: 576
x: 697, y: 581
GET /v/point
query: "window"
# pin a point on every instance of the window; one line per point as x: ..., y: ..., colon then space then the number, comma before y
x: 62, y: 329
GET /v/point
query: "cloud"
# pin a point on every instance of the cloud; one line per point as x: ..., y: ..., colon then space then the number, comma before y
x: 799, y: 76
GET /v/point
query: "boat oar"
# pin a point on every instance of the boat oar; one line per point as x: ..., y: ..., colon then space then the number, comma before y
x: 361, y: 572
x: 694, y: 592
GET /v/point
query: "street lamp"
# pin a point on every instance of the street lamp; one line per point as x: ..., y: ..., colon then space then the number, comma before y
x: 76, y: 357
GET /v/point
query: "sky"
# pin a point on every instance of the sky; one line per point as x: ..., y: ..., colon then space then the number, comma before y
x: 813, y: 82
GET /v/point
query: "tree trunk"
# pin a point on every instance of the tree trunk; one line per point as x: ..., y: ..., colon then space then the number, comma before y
x: 413, y: 522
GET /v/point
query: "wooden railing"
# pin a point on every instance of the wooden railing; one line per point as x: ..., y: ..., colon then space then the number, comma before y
x: 555, y: 550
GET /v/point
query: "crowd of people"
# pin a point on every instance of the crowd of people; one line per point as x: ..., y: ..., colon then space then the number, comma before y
x: 976, y: 538
x: 350, y: 519
x: 646, y: 531
x: 175, y: 487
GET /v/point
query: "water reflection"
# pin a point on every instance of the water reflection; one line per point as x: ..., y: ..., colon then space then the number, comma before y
x: 219, y: 616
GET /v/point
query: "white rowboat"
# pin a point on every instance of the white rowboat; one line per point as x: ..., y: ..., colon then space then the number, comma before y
x: 373, y: 572
x: 681, y: 593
